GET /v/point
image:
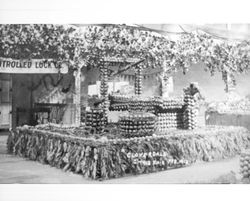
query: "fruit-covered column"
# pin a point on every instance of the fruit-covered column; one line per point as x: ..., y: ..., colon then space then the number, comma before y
x: 77, y: 96
x: 104, y: 90
x: 138, y: 80
x: 191, y: 110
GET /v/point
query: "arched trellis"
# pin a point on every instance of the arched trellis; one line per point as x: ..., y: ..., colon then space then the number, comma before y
x: 105, y: 75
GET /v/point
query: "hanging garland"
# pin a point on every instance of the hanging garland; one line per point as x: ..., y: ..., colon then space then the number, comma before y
x: 39, y: 41
x: 227, y: 57
x: 120, y: 41
x: 89, y: 46
x: 45, y: 80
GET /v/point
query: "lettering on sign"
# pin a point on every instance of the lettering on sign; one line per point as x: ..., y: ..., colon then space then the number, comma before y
x: 34, y: 66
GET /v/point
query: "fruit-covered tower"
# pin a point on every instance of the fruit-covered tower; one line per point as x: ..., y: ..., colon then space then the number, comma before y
x: 104, y: 90
x: 138, y: 80
x: 192, y: 96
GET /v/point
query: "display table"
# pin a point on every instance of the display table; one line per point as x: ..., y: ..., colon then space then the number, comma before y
x: 234, y: 119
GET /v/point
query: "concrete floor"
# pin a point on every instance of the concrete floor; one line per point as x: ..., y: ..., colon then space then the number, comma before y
x: 14, y: 169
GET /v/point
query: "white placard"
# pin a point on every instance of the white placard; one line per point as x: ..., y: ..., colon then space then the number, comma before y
x: 34, y: 66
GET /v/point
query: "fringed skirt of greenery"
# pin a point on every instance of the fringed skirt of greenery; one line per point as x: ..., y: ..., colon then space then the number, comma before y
x: 106, y: 158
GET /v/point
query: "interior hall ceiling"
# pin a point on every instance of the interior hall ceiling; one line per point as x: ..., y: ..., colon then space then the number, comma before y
x: 223, y: 31
x: 173, y: 31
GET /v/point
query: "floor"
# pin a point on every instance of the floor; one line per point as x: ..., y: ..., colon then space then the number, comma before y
x: 14, y: 169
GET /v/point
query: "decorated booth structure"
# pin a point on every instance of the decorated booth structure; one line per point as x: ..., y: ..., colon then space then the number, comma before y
x: 37, y: 61
x: 27, y: 90
x: 152, y: 133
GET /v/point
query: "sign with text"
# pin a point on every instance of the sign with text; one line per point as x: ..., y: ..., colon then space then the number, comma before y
x: 34, y: 66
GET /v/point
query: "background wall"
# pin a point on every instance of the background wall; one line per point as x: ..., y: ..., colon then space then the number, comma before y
x: 212, y: 86
x: 20, y: 98
x: 24, y: 99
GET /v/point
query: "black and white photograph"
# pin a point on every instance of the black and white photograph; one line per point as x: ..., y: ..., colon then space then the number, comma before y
x: 125, y: 103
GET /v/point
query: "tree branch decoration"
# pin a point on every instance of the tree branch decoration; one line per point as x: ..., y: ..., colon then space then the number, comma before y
x: 44, y: 80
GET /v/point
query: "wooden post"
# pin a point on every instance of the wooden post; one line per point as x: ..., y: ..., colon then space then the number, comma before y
x: 230, y: 86
x: 77, y: 97
x: 166, y: 84
x: 163, y: 85
x: 31, y: 114
x: 166, y: 80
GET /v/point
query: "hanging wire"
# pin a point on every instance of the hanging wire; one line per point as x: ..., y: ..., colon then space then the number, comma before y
x: 183, y: 29
x: 158, y: 31
x: 220, y: 37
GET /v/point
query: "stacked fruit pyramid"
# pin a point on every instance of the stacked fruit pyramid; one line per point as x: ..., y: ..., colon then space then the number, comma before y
x: 104, y: 91
x: 137, y: 124
x: 138, y: 80
x: 95, y: 119
x: 245, y: 164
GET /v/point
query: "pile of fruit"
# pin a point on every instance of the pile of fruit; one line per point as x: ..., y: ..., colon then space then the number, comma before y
x: 171, y: 104
x: 119, y: 98
x: 170, y: 114
x: 137, y: 124
x: 95, y: 119
x: 230, y: 107
x: 169, y: 111
x: 245, y: 164
x: 118, y: 107
x: 190, y: 113
x: 141, y: 104
x: 122, y: 102
x: 119, y: 102
x: 138, y: 81
x: 156, y: 101
x: 241, y: 106
x: 169, y: 120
